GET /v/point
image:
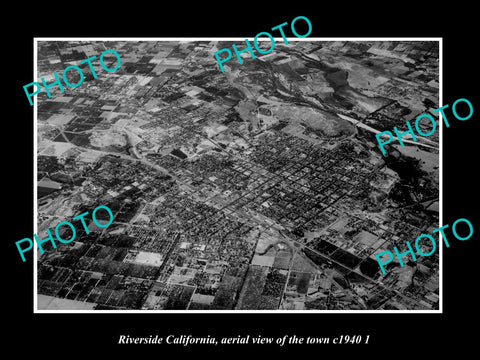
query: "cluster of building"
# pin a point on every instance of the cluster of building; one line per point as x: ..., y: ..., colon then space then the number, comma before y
x: 227, y: 191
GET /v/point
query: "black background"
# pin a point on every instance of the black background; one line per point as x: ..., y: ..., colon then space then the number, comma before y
x: 65, y: 335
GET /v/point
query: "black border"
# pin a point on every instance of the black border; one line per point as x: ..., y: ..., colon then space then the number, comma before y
x: 92, y: 334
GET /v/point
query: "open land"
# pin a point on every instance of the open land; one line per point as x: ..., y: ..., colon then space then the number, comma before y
x: 260, y: 188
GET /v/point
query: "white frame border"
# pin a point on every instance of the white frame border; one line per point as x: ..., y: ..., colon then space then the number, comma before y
x: 239, y: 312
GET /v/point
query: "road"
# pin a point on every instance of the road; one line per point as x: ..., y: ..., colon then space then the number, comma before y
x: 375, y: 131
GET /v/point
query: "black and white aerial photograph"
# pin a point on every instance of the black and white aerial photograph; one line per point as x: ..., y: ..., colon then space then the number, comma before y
x: 194, y: 180
x: 260, y: 188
